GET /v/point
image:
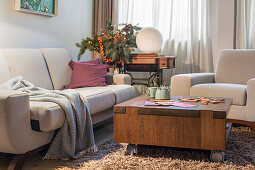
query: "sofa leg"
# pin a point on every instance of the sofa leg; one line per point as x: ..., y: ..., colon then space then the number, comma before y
x: 19, y: 160
x: 242, y: 122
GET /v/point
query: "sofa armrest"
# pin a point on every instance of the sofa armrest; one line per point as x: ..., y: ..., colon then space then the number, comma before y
x: 118, y: 78
x: 15, y: 128
x: 122, y: 79
x: 181, y: 84
x: 250, y: 103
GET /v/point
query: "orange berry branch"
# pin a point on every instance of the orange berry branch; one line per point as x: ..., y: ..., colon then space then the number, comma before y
x: 114, y: 44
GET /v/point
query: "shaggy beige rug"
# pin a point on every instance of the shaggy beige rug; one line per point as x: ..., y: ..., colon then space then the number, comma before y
x: 240, y: 150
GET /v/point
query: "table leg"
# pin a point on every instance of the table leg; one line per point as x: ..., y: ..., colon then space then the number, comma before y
x: 218, y: 156
x: 131, y: 149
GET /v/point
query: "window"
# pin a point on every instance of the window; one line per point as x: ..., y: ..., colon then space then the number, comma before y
x: 175, y: 19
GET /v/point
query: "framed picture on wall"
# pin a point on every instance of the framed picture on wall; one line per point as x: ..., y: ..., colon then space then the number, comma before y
x: 42, y: 7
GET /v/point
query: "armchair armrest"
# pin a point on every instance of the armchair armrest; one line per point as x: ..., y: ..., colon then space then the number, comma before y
x: 250, y: 103
x: 181, y: 84
x: 15, y: 129
x: 118, y: 78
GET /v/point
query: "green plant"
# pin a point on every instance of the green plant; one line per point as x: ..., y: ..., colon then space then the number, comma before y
x: 114, y: 45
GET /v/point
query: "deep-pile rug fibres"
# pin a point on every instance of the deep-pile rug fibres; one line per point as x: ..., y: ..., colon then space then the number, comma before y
x: 111, y: 155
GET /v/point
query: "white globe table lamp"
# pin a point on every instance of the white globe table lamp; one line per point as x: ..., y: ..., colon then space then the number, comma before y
x: 149, y: 40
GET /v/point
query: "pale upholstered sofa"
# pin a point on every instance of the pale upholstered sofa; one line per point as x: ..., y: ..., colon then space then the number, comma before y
x: 26, y: 125
x: 234, y: 78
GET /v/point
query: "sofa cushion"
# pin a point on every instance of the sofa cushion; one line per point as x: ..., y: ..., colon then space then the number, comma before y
x: 30, y: 64
x: 4, y: 69
x: 237, y: 113
x: 99, y: 99
x: 57, y: 60
x: 122, y: 92
x: 235, y: 66
x: 235, y: 91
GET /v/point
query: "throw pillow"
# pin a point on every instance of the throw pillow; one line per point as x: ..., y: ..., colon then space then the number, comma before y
x: 87, y: 75
x: 90, y: 62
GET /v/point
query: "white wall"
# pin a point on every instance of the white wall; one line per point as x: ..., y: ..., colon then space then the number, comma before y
x: 24, y: 30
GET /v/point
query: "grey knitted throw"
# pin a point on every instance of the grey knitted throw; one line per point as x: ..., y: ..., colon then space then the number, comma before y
x: 75, y: 137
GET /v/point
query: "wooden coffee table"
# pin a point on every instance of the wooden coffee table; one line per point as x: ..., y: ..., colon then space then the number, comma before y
x: 200, y: 127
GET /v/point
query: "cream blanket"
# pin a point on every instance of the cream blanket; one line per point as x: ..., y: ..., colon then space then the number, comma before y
x: 76, y: 136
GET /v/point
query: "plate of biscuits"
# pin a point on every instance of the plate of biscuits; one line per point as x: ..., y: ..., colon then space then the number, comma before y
x: 202, y: 100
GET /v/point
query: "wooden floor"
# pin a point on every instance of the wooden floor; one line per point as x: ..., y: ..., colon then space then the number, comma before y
x: 102, y: 134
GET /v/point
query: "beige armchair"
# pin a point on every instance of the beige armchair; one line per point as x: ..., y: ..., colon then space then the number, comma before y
x: 234, y: 78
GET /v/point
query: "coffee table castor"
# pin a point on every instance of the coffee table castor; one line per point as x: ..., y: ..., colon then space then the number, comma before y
x: 200, y: 127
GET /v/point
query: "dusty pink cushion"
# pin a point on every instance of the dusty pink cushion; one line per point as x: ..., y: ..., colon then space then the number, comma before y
x: 87, y: 75
x: 90, y: 62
